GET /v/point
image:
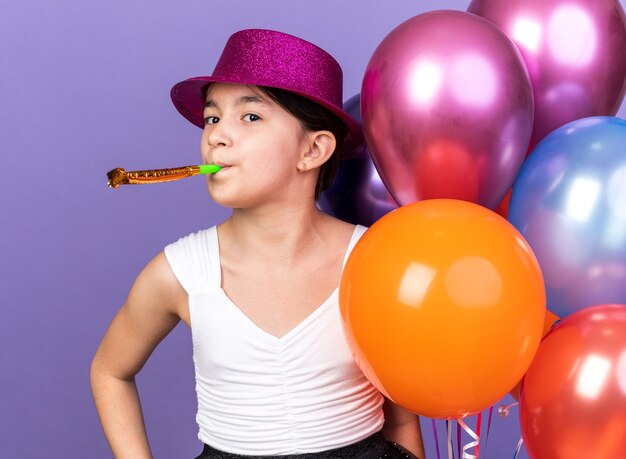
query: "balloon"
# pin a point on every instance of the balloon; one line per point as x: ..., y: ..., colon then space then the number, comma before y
x: 573, y: 402
x: 443, y: 305
x: 575, y: 51
x: 550, y: 320
x: 569, y: 202
x: 503, y: 207
x: 447, y: 109
x: 357, y: 195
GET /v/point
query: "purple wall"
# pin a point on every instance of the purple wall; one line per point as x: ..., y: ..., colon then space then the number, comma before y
x: 85, y: 88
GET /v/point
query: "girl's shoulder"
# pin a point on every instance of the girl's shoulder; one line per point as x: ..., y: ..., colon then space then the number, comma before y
x: 338, y: 226
x: 349, y: 231
x: 189, y: 258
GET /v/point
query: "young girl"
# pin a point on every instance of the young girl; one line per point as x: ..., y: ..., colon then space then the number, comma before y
x: 274, y: 374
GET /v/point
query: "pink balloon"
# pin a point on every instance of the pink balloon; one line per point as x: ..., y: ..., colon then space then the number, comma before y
x: 447, y: 109
x: 575, y: 51
x: 573, y: 400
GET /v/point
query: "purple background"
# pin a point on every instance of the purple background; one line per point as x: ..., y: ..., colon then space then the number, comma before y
x: 85, y: 88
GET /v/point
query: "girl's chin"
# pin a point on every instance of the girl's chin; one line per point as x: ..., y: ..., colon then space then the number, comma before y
x: 236, y: 202
x: 226, y: 199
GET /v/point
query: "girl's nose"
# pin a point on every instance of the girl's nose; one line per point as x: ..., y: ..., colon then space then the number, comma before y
x: 219, y: 135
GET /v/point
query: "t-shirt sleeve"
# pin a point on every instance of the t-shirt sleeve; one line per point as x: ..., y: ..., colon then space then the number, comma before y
x: 188, y: 258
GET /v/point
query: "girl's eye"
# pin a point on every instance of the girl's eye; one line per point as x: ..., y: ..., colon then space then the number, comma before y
x: 251, y: 117
x: 211, y: 120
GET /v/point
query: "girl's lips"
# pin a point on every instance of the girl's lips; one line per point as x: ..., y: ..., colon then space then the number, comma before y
x: 222, y: 170
x: 223, y: 167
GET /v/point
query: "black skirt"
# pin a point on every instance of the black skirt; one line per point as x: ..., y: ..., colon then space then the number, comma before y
x: 373, y: 447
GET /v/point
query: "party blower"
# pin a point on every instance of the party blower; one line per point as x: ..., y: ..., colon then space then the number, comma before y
x: 119, y: 176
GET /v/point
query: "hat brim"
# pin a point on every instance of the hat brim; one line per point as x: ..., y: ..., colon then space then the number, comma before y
x: 188, y: 98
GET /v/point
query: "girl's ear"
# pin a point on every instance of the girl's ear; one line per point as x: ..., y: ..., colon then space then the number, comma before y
x: 320, y: 146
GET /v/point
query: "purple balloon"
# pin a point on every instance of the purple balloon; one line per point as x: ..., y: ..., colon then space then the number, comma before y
x: 575, y: 51
x: 357, y: 195
x: 447, y: 109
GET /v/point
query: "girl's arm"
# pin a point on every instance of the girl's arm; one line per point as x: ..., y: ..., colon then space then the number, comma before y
x: 148, y: 315
x: 403, y: 427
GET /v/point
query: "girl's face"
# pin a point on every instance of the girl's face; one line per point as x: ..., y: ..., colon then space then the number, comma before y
x: 257, y: 141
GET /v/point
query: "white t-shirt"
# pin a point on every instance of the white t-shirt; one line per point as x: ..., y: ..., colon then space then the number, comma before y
x: 259, y: 394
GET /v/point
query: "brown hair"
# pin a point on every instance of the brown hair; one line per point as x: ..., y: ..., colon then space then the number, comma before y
x: 314, y: 117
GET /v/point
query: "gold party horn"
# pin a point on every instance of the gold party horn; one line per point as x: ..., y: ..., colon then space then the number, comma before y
x: 119, y: 176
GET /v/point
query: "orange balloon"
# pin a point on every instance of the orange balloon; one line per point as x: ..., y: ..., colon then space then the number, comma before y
x: 551, y: 319
x: 443, y: 305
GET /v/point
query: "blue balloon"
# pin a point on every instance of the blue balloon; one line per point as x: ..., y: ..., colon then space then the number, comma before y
x: 569, y: 203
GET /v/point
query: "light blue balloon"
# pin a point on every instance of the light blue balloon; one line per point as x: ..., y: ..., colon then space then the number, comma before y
x: 569, y: 203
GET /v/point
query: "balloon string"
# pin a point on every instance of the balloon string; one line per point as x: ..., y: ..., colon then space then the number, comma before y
x: 473, y: 444
x: 436, y: 438
x: 458, y: 440
x: 503, y: 410
x: 449, y: 430
x: 519, y: 447
x: 479, y: 419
